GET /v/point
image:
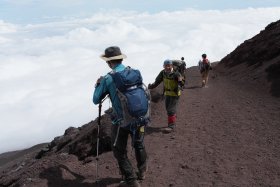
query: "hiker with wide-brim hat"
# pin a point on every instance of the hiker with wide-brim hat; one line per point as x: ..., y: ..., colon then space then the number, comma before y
x: 105, y: 85
x: 113, y: 53
x: 173, y: 83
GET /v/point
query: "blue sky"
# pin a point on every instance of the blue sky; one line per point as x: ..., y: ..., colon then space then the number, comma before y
x: 34, y: 11
x: 49, y: 52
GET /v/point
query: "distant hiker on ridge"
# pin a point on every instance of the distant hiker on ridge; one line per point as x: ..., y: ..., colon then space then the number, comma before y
x: 204, y: 66
x: 173, y: 83
x: 123, y: 124
x: 184, y: 67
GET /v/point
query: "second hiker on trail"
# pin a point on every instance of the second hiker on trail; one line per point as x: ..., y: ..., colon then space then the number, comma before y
x: 173, y: 83
x: 204, y: 67
x: 180, y: 65
x: 130, y: 113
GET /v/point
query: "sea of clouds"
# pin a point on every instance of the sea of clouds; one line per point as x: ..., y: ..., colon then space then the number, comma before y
x: 48, y: 70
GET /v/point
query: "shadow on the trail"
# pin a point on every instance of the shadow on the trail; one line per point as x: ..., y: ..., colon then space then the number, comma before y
x: 106, y: 181
x: 193, y: 87
x: 55, y: 178
x: 151, y: 130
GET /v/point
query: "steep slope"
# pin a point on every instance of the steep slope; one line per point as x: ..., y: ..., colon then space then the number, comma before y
x: 257, y: 60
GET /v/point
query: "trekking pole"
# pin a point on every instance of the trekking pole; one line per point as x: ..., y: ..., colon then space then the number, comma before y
x: 97, y: 142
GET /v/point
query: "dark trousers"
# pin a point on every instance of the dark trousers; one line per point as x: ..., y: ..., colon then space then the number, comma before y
x: 171, y: 103
x: 120, y: 151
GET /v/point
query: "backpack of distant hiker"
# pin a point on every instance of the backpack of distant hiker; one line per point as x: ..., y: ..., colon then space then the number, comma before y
x: 134, y: 97
x: 206, y: 64
x: 180, y: 66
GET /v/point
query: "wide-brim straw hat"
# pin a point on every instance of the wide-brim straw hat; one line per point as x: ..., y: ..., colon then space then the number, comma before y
x: 112, y: 53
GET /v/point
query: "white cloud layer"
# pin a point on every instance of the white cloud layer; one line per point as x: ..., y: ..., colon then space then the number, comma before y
x: 48, y: 70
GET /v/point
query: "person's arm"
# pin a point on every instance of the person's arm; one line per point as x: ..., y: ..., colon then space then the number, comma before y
x: 158, y: 80
x: 210, y: 66
x: 199, y: 65
x: 100, y: 91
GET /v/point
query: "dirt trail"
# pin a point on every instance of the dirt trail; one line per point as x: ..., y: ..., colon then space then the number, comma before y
x: 227, y: 135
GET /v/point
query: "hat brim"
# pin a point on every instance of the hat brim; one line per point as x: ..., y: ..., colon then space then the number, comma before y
x: 122, y: 56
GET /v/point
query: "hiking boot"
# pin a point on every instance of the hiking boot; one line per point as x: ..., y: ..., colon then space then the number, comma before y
x: 203, y: 84
x: 129, y: 184
x: 169, y: 129
x: 141, y: 175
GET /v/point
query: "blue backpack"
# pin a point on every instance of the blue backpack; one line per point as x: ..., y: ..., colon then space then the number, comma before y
x: 134, y: 97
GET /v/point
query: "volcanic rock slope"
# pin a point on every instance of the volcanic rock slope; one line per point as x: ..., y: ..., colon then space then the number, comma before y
x: 227, y: 134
